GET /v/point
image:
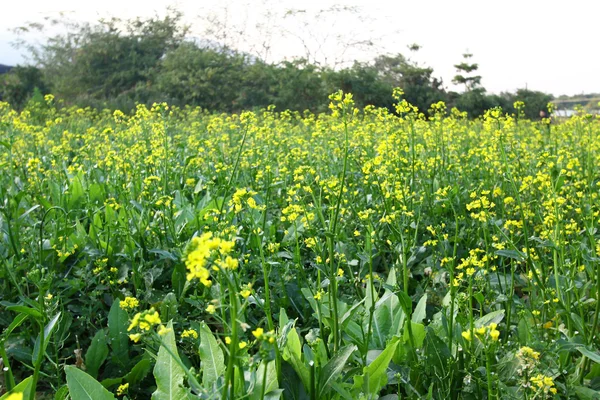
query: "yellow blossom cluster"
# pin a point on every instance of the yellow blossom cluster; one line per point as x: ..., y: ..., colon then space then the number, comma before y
x: 207, y: 248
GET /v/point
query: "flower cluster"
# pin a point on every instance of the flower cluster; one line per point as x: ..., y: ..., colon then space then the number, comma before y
x: 204, y: 250
x: 483, y: 333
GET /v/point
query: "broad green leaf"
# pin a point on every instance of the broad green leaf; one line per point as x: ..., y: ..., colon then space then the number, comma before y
x: 585, y: 393
x: 77, y: 192
x: 381, y: 325
x: 25, y: 310
x: 333, y: 369
x: 374, y: 376
x: 96, y: 354
x: 83, y: 387
x: 168, y: 371
x: 420, y: 310
x: 40, y: 346
x: 23, y: 387
x: 211, y: 355
x: 514, y: 254
x: 292, y: 353
x: 118, y: 320
x: 62, y: 393
x: 595, y: 357
x: 267, y: 383
x: 16, y: 322
x: 494, y: 316
x: 139, y: 371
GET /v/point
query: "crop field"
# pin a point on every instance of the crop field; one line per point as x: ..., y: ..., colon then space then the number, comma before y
x: 172, y: 253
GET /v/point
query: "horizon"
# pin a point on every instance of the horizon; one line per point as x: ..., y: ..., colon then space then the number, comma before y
x: 540, y: 55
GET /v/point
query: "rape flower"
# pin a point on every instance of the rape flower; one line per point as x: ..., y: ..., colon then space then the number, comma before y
x: 145, y: 320
x: 204, y: 248
x: 494, y: 334
x: 211, y: 309
x: 466, y: 335
x: 129, y: 302
x: 258, y: 333
x: 135, y: 337
x: 163, y: 330
x: 246, y: 292
x: 189, y: 333
x: 543, y: 383
x: 122, y: 389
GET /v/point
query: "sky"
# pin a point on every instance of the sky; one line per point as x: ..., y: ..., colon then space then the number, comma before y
x: 551, y: 46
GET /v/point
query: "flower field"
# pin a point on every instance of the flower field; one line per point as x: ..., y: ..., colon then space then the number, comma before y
x: 360, y: 254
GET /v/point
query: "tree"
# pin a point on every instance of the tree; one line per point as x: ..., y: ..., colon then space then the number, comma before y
x: 18, y: 85
x: 109, y: 59
x: 420, y: 87
x: 534, y: 102
x: 464, y: 75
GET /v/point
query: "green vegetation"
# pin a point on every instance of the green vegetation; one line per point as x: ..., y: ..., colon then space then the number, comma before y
x: 117, y: 64
x: 353, y: 254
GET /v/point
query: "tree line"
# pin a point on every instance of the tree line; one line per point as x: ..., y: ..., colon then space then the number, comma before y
x: 117, y: 64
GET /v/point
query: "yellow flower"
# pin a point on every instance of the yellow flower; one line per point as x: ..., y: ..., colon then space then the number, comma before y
x: 494, y: 334
x: 189, y: 333
x: 242, y: 344
x: 15, y: 396
x: 258, y: 332
x: 245, y: 293
x: 480, y: 331
x: 340, y: 272
x: 318, y: 295
x: 467, y: 335
x: 122, y: 389
x: 135, y: 337
x: 227, y: 340
x: 211, y: 309
x: 129, y: 302
x: 163, y: 330
x: 152, y: 318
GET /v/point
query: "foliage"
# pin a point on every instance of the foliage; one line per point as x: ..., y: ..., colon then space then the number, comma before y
x: 120, y: 63
x: 357, y: 253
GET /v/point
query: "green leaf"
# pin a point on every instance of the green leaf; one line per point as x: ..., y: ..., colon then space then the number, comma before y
x: 494, y: 316
x: 118, y: 321
x: 269, y: 384
x: 40, y: 346
x: 595, y: 357
x: 83, y: 387
x: 292, y: 353
x: 514, y: 254
x: 420, y: 310
x: 96, y: 354
x: 23, y: 387
x: 382, y: 324
x: 139, y: 371
x: 211, y: 355
x: 16, y: 322
x: 333, y: 368
x: 25, y: 310
x: 62, y: 393
x: 168, y: 371
x: 77, y: 192
x: 584, y: 393
x: 374, y: 376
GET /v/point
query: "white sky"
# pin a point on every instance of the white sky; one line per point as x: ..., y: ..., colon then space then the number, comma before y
x: 547, y: 45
